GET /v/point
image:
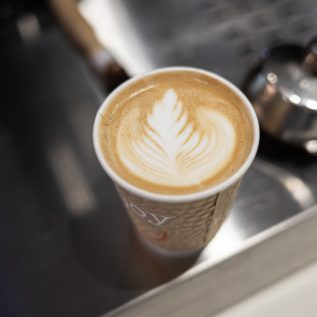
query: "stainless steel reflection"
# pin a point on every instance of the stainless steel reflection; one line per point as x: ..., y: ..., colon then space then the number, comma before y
x: 266, y: 187
x: 284, y: 95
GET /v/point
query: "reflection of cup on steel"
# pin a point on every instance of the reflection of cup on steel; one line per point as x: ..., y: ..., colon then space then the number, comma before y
x: 182, y: 222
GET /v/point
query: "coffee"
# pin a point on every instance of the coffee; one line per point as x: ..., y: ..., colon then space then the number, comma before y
x: 175, y: 132
x: 176, y: 143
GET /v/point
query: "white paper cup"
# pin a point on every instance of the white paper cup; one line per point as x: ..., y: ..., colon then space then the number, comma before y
x: 178, y: 223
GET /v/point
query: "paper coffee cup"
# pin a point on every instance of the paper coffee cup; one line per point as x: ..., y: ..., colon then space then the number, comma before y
x: 178, y: 223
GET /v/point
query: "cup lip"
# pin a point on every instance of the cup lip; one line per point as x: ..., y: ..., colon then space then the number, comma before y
x: 212, y: 190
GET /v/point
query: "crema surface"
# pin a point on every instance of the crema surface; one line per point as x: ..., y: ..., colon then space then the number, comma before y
x: 175, y: 132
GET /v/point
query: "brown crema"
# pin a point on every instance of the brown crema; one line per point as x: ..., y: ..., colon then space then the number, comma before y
x: 175, y: 132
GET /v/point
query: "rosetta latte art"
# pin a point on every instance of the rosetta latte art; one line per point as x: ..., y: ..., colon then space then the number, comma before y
x: 173, y: 148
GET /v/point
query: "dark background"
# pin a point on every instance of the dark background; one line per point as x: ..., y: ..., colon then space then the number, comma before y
x: 46, y: 90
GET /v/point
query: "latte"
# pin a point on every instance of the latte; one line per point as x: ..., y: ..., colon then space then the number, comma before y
x: 175, y: 132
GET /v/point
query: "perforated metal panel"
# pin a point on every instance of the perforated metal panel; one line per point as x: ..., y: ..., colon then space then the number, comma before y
x: 221, y: 35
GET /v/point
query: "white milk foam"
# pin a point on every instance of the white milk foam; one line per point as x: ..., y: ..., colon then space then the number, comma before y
x: 172, y: 149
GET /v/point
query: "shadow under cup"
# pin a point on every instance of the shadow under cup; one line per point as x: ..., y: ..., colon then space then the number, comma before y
x: 178, y: 224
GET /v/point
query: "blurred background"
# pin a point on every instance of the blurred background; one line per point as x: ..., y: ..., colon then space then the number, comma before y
x: 66, y: 245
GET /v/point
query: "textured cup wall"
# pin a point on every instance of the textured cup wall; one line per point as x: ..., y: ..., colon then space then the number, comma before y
x: 179, y: 226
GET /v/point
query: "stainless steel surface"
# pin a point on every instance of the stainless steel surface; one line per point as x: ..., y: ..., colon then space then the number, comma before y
x: 216, y: 285
x: 310, y: 59
x: 222, y: 36
x: 283, y: 90
x: 66, y: 244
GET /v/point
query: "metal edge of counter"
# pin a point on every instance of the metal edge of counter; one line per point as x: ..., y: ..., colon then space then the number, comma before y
x: 212, y: 286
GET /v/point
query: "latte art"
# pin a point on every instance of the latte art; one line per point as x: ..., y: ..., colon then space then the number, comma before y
x: 170, y: 151
x: 175, y: 132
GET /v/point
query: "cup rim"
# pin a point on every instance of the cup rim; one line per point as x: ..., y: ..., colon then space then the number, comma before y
x: 212, y: 190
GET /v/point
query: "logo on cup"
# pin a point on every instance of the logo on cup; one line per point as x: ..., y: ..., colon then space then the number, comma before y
x: 149, y: 217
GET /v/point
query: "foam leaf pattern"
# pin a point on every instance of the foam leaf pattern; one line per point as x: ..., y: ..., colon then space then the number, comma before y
x: 173, y: 150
